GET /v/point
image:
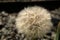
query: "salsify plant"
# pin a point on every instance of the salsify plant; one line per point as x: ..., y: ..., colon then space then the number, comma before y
x: 34, y: 22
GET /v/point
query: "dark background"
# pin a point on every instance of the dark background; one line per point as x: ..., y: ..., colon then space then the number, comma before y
x: 25, y: 0
x: 17, y: 6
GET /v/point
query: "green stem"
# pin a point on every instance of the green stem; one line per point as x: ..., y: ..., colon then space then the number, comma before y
x: 58, y: 32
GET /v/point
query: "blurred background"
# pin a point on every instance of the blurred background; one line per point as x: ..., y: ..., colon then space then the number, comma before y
x: 24, y: 0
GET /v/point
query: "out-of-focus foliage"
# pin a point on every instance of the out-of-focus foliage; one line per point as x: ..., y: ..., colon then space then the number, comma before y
x: 7, y: 0
x: 56, y: 13
x: 24, y: 0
